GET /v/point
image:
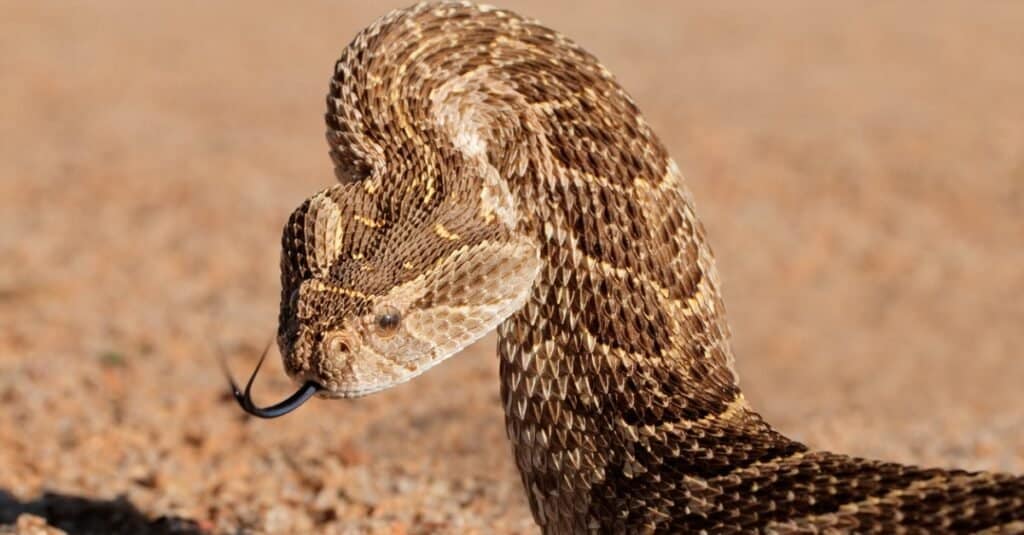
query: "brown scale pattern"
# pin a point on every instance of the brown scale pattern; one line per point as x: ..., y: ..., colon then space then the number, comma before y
x: 621, y: 401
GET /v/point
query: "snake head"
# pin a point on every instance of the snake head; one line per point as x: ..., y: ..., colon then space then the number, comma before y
x: 372, y: 297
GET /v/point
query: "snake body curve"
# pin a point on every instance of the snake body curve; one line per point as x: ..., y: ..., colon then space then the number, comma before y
x: 493, y: 174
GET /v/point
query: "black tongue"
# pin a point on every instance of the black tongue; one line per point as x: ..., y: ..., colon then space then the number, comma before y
x: 244, y: 399
x: 294, y: 401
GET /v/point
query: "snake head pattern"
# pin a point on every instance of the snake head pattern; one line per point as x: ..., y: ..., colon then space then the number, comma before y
x: 364, y: 307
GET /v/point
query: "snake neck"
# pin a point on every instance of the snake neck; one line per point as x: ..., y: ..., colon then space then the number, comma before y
x: 617, y: 375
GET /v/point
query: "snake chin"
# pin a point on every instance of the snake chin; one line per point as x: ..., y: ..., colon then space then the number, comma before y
x: 355, y: 359
x: 358, y: 390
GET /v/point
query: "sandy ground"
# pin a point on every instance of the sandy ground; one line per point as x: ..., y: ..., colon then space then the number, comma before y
x: 860, y: 170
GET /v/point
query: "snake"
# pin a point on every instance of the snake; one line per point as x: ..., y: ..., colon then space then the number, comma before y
x: 493, y: 175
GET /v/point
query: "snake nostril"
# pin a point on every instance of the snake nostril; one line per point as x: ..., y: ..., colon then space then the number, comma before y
x: 337, y: 346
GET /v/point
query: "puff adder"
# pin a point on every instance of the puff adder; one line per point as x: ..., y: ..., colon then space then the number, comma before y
x: 493, y: 174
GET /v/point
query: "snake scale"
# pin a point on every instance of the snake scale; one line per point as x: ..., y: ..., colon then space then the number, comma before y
x: 494, y: 175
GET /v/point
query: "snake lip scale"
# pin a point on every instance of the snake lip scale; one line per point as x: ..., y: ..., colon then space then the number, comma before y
x: 492, y: 174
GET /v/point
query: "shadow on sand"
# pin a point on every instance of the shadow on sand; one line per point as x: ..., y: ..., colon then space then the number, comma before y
x: 85, y: 516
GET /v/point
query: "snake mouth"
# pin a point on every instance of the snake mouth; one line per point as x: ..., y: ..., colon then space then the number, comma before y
x: 289, y: 404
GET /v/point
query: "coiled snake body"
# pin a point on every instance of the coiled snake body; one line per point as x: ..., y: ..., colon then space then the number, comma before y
x: 494, y: 175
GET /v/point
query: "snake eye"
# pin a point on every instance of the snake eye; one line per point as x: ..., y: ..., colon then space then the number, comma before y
x: 388, y: 321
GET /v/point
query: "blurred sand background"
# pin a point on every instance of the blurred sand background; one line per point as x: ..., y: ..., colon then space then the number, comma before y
x: 860, y: 169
